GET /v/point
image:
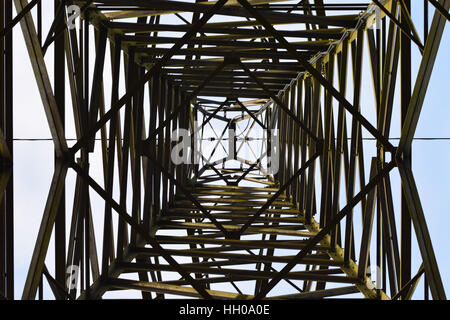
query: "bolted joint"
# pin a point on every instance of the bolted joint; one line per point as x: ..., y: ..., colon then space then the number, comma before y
x: 67, y: 157
x: 230, y: 60
x: 233, y: 235
x: 402, y: 156
x: 319, y: 145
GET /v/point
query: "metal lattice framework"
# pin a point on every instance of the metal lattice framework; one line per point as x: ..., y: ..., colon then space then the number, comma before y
x: 228, y: 228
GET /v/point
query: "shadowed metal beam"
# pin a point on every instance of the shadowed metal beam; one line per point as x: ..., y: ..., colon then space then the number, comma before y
x: 440, y: 8
x: 317, y: 75
x: 16, y: 20
x: 423, y: 236
x: 324, y: 231
x: 149, y: 75
x: 413, y: 38
x: 423, y: 79
x: 280, y: 191
x: 42, y: 79
x: 45, y: 231
x: 139, y: 229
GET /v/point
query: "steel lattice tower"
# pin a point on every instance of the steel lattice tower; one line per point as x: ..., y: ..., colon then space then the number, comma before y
x: 305, y: 213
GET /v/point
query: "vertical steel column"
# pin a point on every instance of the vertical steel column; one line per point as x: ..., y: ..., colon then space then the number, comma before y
x: 2, y: 207
x: 85, y: 155
x: 2, y: 125
x: 407, y: 135
x: 7, y: 104
x: 59, y: 87
x: 405, y: 96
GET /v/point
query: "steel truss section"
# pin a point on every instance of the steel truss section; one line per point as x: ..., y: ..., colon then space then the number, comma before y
x: 272, y: 210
